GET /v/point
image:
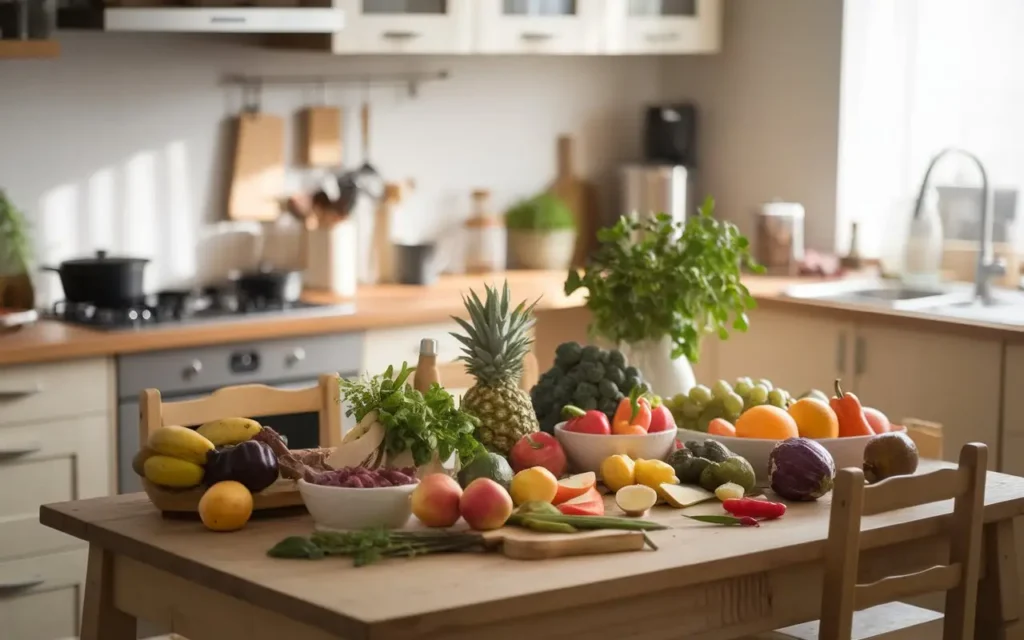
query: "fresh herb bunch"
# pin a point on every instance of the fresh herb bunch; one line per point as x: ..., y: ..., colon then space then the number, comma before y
x: 369, y: 546
x: 544, y: 212
x: 415, y: 422
x: 14, y: 239
x: 655, y: 277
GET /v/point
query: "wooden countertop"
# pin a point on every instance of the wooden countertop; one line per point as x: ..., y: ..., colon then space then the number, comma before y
x: 469, y: 595
x: 399, y: 305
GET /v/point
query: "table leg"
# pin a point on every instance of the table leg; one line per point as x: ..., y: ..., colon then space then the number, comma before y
x: 101, y: 620
x: 999, y: 605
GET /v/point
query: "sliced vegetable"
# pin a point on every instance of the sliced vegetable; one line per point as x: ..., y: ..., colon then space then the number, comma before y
x: 636, y: 499
x: 729, y: 491
x: 590, y: 503
x: 681, y: 496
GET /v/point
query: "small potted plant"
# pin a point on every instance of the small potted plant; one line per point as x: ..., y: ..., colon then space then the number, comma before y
x: 15, y: 252
x: 541, y: 233
x: 655, y: 287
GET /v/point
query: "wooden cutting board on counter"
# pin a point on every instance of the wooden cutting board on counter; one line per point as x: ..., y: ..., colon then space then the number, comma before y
x: 522, y: 544
x: 580, y: 196
x: 257, y: 178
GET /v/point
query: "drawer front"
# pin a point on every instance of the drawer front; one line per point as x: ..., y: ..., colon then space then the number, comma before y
x: 369, y: 32
x: 40, y: 597
x: 204, y: 368
x: 44, y: 463
x: 395, y: 346
x: 42, y: 392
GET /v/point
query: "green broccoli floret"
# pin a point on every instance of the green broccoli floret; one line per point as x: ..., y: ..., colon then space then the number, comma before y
x: 576, y: 375
x: 587, y: 404
x: 632, y: 372
x: 630, y: 383
x: 592, y: 372
x: 616, y: 358
x: 591, y: 354
x: 563, y: 391
x: 584, y: 390
x: 607, y: 407
x: 607, y: 389
x: 567, y: 354
x: 614, y: 374
x: 603, y: 357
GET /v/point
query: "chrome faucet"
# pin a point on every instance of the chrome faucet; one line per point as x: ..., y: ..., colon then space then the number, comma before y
x: 988, y: 265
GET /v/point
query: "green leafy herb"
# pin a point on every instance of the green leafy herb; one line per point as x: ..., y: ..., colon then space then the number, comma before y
x: 655, y: 277
x: 369, y: 546
x: 418, y: 423
x: 15, y: 250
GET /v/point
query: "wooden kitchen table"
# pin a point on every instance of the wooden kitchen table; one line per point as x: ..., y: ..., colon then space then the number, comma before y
x: 704, y: 582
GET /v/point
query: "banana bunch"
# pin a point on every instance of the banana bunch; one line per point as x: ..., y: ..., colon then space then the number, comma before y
x: 174, y: 456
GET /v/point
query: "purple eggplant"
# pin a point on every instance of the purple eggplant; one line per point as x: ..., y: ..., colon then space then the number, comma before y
x: 252, y: 463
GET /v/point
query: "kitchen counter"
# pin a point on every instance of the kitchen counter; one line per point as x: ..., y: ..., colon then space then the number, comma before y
x: 399, y: 305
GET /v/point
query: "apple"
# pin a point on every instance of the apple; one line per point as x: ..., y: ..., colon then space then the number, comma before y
x: 485, y: 505
x: 574, y: 486
x: 538, y: 450
x: 879, y: 421
x: 661, y: 419
x: 435, y: 501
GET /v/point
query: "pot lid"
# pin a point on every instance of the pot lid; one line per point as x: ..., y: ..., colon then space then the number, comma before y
x: 102, y: 258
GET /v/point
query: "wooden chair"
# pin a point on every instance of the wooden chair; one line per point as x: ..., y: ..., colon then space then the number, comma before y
x: 247, y: 401
x: 878, y: 616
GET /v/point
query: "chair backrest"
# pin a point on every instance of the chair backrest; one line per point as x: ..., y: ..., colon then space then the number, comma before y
x: 246, y: 401
x: 851, y: 500
x: 454, y: 376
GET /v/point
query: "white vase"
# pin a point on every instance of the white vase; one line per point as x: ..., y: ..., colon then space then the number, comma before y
x: 667, y: 376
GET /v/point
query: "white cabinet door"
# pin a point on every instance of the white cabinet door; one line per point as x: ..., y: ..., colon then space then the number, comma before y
x: 405, y: 26
x: 540, y: 26
x: 663, y: 26
x: 41, y: 596
x: 1013, y: 412
x: 797, y: 351
x: 950, y: 379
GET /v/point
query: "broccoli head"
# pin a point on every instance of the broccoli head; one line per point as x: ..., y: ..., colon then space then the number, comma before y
x: 591, y: 354
x: 631, y: 372
x: 568, y: 354
x: 607, y: 406
x: 615, y: 358
x: 584, y: 391
x: 631, y: 383
x: 607, y: 389
x: 592, y: 372
x: 614, y: 374
x: 563, y: 390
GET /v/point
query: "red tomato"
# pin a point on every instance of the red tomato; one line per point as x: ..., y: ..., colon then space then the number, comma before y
x: 538, y: 450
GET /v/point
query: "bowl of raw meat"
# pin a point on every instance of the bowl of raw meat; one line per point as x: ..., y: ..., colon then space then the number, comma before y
x: 359, y: 498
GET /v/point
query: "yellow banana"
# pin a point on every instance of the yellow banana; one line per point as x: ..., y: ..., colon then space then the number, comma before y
x: 180, y: 442
x: 229, y: 431
x: 172, y: 472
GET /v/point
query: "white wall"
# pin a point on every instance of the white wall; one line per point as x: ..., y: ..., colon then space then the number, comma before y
x: 769, y: 109
x: 122, y: 142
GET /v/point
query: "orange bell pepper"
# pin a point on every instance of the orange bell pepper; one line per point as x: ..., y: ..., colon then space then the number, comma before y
x: 632, y: 414
x: 852, y: 421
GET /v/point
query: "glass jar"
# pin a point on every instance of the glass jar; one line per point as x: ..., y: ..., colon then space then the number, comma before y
x: 484, y: 237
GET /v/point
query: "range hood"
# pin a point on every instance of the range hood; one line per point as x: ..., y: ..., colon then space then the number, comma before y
x: 96, y: 15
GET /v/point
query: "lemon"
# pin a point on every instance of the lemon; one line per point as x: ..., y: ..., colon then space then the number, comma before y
x: 654, y: 473
x: 618, y: 471
x: 535, y: 483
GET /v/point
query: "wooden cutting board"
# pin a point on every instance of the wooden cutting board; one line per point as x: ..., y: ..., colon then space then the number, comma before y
x: 321, y: 132
x: 257, y: 178
x: 580, y: 196
x: 523, y: 544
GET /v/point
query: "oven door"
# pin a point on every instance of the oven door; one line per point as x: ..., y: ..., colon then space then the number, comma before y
x: 301, y: 430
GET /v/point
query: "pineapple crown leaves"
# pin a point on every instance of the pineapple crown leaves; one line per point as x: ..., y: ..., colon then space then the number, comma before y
x: 496, y: 339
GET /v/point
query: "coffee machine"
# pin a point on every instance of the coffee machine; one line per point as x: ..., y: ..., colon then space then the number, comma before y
x: 663, y: 182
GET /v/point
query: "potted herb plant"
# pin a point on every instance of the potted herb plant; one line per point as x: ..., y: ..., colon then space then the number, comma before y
x: 541, y: 233
x: 656, y: 286
x: 15, y: 253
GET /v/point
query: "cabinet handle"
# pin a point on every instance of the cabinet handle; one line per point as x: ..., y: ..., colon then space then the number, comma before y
x: 841, y: 353
x: 14, y: 394
x: 20, y: 585
x: 193, y: 368
x: 296, y: 356
x: 859, y: 356
x: 662, y: 37
x: 399, y: 35
x: 531, y: 36
x: 17, y: 452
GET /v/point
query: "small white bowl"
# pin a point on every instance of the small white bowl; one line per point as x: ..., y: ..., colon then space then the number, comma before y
x: 846, y: 452
x: 348, y: 508
x: 586, y: 451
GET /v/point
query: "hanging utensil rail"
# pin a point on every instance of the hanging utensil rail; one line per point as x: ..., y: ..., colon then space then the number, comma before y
x: 411, y: 81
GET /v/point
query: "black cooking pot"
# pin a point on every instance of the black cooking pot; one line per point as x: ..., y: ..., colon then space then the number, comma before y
x: 269, y: 285
x: 102, y: 281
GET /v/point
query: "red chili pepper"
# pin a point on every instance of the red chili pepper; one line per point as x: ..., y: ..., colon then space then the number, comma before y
x: 745, y: 521
x: 754, y: 508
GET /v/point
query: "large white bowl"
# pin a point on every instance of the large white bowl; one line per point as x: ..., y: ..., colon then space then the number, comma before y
x: 348, y: 508
x: 846, y: 452
x: 586, y: 451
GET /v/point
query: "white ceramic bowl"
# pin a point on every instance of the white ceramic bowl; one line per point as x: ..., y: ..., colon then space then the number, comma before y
x: 846, y: 452
x: 586, y: 451
x: 348, y: 508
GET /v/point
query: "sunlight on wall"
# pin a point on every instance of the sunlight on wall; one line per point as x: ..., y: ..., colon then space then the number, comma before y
x: 58, y: 234
x: 101, y: 210
x: 178, y: 259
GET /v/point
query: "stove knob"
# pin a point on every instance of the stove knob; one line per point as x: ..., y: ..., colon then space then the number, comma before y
x: 193, y: 369
x: 296, y: 356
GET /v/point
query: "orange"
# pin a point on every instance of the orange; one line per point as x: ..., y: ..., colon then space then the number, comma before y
x: 767, y: 422
x: 814, y: 419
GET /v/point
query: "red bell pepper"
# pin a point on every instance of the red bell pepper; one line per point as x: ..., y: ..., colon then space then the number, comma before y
x: 580, y: 421
x: 590, y: 503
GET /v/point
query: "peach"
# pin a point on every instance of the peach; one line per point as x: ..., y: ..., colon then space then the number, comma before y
x: 435, y: 501
x: 485, y: 505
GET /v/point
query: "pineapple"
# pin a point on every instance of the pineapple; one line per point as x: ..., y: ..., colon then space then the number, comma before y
x: 493, y: 348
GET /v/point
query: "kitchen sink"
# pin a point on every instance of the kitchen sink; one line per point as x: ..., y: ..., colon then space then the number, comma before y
x: 1006, y: 307
x: 891, y: 294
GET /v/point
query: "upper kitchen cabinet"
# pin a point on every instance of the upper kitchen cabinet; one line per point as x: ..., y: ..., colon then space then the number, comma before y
x: 540, y: 26
x: 663, y: 26
x: 405, y: 26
